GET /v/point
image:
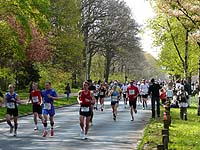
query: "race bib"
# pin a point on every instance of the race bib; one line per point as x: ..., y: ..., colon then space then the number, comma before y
x: 95, y: 94
x: 10, y: 105
x: 101, y: 93
x: 47, y: 106
x: 35, y: 99
x: 182, y: 104
x: 85, y: 109
x: 132, y: 92
x: 170, y: 93
x: 114, y: 98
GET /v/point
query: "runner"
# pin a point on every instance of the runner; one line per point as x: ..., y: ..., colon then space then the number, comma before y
x: 92, y: 88
x: 115, y: 96
x: 124, y: 92
x: 49, y: 95
x: 12, y: 99
x: 85, y: 99
x: 35, y: 98
x: 96, y: 94
x: 139, y: 98
x: 102, y: 93
x: 144, y: 93
x: 133, y: 92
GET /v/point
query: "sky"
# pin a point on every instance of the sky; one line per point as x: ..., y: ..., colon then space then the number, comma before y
x: 141, y: 11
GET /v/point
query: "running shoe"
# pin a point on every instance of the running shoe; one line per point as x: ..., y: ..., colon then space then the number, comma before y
x: 114, y: 117
x: 15, y: 133
x: 136, y: 111
x: 52, y: 132
x: 11, y: 129
x: 82, y: 135
x: 132, y: 119
x: 44, y: 133
x: 85, y: 136
x: 36, y: 128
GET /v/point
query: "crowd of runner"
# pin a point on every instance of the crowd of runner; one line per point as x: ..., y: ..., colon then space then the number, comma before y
x: 92, y: 96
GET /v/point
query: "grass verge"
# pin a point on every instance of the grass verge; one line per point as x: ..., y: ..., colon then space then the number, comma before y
x: 183, y: 135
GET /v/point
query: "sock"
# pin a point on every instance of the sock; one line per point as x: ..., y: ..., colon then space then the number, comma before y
x: 52, y: 125
x: 9, y: 123
x: 16, y: 126
x: 45, y: 125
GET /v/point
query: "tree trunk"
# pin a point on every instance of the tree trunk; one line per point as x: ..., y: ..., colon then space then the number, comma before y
x: 87, y: 55
x: 87, y: 61
x: 186, y: 56
x: 107, y: 66
x: 199, y: 61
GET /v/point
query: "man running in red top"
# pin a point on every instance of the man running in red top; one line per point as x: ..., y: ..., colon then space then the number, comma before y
x: 133, y: 92
x: 36, y: 99
x: 85, y: 99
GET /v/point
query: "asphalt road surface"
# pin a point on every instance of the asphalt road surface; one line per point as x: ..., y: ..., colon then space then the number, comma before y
x: 104, y: 134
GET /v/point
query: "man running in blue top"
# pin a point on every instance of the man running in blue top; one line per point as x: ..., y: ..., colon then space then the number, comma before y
x: 49, y: 95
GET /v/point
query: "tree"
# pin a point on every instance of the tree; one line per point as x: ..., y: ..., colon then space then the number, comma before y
x: 176, y: 14
x: 66, y: 37
x: 23, y: 20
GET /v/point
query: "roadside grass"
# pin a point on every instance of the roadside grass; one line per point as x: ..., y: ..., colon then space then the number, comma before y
x: 27, y: 109
x: 23, y: 95
x: 183, y: 134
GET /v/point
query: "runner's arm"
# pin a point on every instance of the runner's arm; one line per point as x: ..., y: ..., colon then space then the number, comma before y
x: 18, y: 100
x: 93, y: 98
x: 78, y: 97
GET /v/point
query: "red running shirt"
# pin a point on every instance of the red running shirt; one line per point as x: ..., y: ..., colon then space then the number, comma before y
x: 132, y: 92
x: 84, y: 96
x: 163, y: 95
x: 36, y: 97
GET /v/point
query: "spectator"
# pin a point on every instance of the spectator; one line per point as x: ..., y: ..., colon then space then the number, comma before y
x: 182, y: 97
x: 187, y: 88
x: 163, y: 96
x: 154, y: 90
x: 67, y: 90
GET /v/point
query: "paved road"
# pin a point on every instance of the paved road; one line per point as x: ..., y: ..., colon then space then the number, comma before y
x: 105, y: 134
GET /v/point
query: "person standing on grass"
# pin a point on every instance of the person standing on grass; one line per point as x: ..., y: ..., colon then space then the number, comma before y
x: 48, y: 95
x: 11, y: 101
x: 163, y: 96
x: 36, y: 99
x: 182, y: 97
x: 67, y: 90
x: 133, y: 93
x: 187, y: 88
x: 85, y: 99
x: 154, y: 92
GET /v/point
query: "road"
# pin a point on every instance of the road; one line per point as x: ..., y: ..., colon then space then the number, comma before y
x: 105, y: 134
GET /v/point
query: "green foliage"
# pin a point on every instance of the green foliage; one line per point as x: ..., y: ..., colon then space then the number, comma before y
x: 57, y: 77
x: 67, y: 39
x: 164, y: 27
